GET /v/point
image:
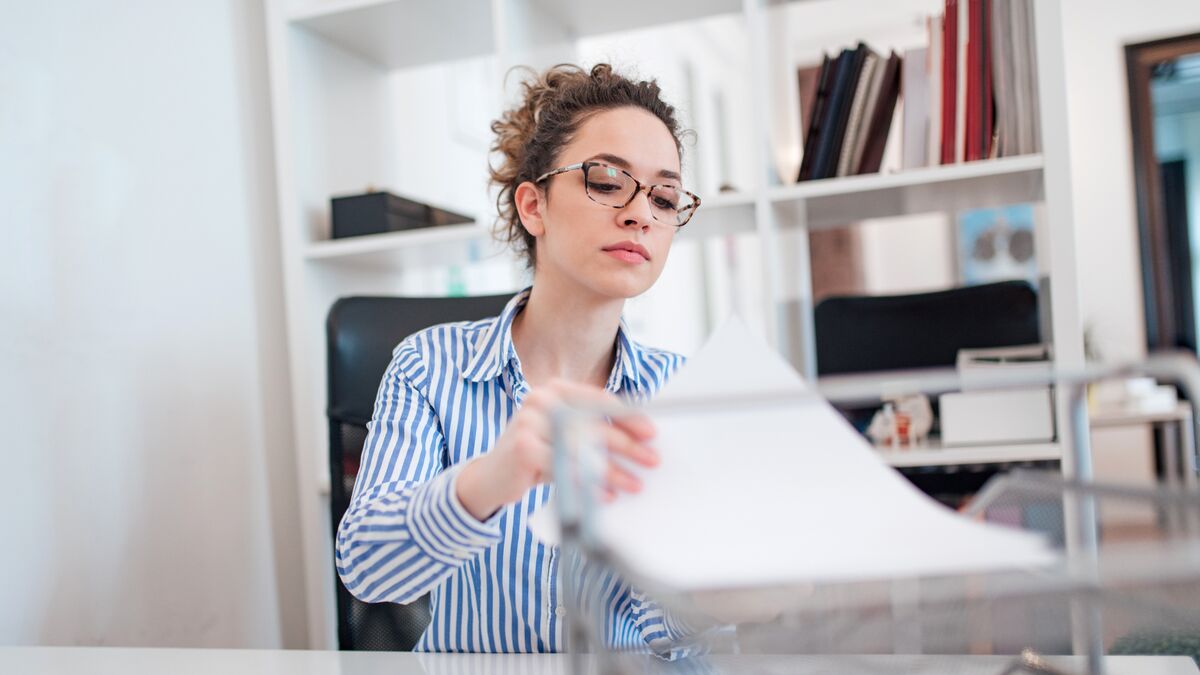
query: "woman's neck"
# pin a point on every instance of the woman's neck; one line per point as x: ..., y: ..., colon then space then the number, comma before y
x: 561, y: 335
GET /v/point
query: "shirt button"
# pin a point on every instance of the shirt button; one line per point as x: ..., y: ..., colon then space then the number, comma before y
x: 560, y: 611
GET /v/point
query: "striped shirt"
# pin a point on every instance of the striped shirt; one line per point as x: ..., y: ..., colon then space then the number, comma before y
x: 444, y: 399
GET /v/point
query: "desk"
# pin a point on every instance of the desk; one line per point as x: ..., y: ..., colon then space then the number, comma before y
x: 116, y: 661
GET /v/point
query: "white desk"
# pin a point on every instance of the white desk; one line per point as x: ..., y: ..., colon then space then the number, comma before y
x: 115, y: 661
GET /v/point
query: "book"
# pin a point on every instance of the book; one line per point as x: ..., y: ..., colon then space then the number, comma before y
x: 1022, y: 81
x: 881, y: 122
x: 868, y: 114
x: 820, y: 104
x: 1032, y: 105
x: 1002, y: 75
x: 960, y: 106
x: 933, y: 153
x: 974, y: 83
x: 987, y: 94
x: 949, y: 118
x: 856, y: 120
x: 808, y: 81
x: 833, y: 131
x: 914, y: 83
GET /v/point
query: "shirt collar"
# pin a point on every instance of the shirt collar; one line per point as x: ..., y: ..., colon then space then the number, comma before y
x: 493, y: 346
x: 493, y: 350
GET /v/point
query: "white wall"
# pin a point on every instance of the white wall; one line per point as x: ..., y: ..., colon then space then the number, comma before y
x: 143, y: 396
x: 908, y: 254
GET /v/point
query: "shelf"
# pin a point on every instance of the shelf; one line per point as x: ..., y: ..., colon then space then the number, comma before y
x: 395, y: 33
x: 840, y: 201
x: 587, y: 19
x: 1182, y: 412
x: 936, y: 455
x: 723, y: 213
x: 393, y: 250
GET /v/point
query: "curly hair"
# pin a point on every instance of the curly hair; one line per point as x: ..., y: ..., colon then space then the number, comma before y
x: 554, y: 104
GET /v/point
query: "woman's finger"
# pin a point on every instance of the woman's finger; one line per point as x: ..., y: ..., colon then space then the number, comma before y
x: 635, y: 424
x: 621, y: 444
x: 619, y: 479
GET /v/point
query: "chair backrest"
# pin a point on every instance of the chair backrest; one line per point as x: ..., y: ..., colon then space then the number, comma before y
x: 925, y: 330
x: 361, y: 334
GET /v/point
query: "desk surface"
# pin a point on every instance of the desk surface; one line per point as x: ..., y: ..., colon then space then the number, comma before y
x: 116, y: 661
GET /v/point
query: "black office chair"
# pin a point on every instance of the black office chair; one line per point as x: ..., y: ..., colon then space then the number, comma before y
x: 361, y: 334
x: 925, y: 330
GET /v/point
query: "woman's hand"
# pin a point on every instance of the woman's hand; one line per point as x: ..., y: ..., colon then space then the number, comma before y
x: 522, y: 456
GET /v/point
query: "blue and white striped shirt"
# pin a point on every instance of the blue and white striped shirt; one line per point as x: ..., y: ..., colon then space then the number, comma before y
x: 445, y: 398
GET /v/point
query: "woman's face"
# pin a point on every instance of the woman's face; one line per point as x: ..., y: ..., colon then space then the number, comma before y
x: 612, y: 252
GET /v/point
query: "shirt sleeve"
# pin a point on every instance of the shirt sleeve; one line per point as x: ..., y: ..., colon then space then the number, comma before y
x: 405, y: 530
x: 667, y: 635
x: 654, y: 628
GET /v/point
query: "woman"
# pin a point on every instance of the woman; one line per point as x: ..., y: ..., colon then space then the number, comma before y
x: 458, y: 454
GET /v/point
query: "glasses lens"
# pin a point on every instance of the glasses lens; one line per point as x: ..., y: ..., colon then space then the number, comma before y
x: 608, y: 185
x: 671, y: 205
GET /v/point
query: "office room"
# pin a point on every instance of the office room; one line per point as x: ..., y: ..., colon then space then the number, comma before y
x: 856, y: 337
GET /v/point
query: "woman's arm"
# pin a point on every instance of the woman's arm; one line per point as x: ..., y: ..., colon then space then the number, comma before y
x: 405, y: 530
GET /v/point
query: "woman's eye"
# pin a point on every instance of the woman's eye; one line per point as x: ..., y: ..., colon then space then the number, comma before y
x: 603, y: 187
x: 664, y: 203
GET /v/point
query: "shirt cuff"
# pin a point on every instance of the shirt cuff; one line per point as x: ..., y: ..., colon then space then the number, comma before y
x: 442, y: 527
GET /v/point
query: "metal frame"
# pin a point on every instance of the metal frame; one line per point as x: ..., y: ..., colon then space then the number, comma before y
x: 1078, y: 491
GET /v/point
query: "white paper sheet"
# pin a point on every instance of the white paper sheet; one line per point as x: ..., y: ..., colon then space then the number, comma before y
x: 783, y: 492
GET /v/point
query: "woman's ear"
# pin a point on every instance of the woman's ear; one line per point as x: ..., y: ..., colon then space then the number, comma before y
x: 530, y: 202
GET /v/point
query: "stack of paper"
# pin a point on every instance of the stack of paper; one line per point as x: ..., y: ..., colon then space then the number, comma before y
x: 782, y: 491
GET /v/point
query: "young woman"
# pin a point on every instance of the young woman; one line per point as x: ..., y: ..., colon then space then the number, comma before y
x: 458, y: 453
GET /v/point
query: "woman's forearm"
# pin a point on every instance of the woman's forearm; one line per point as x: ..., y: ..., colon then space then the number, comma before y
x: 479, y: 490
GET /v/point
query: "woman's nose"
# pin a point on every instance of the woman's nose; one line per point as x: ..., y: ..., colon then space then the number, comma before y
x: 637, y: 211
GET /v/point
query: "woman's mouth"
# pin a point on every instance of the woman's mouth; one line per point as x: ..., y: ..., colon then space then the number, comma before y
x: 628, y: 251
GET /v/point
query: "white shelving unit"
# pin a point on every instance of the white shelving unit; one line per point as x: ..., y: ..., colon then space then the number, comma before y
x: 387, y: 93
x: 934, y: 454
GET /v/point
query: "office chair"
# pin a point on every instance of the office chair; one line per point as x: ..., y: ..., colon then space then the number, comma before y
x: 361, y: 334
x: 925, y: 330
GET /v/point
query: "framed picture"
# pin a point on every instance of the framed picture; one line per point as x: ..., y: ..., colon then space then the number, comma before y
x: 996, y: 244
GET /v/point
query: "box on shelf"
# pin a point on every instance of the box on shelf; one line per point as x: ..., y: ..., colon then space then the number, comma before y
x: 379, y: 212
x: 976, y: 366
x: 979, y: 414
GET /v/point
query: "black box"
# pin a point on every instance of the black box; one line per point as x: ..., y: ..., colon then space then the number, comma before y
x: 378, y: 212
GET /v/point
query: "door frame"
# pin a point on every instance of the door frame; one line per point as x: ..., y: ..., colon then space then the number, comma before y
x: 1158, y: 293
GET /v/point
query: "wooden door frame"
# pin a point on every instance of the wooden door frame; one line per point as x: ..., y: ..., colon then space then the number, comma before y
x: 1157, y: 292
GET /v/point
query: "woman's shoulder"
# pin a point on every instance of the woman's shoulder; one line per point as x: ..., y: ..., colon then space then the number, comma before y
x: 654, y: 366
x: 660, y: 355
x: 442, y: 348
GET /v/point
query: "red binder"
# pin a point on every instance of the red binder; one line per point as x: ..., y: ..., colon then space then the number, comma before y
x: 974, y: 116
x: 949, y: 80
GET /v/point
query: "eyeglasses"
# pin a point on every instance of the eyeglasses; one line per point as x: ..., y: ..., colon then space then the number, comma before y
x: 611, y: 186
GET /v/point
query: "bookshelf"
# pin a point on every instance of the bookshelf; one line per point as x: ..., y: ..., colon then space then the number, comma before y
x: 397, y: 94
x: 935, y: 454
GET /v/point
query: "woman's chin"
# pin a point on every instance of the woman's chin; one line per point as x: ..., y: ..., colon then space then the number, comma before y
x: 623, y: 286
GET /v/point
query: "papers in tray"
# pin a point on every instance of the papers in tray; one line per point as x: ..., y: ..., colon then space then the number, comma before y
x: 775, y: 487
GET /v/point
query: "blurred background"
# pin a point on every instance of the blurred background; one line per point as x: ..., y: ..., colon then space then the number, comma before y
x: 169, y: 255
